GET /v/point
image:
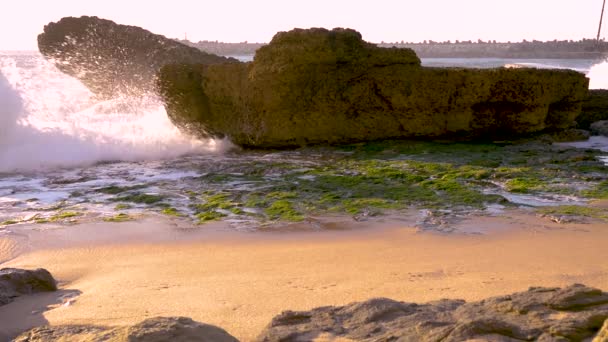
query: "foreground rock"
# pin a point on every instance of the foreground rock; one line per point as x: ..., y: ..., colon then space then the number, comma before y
x: 330, y: 87
x: 17, y: 282
x: 112, y: 59
x: 574, y: 313
x: 158, y: 329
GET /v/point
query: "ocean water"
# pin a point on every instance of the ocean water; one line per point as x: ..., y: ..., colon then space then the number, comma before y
x: 58, y: 144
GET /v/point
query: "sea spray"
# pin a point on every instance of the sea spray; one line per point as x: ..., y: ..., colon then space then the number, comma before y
x: 11, y: 108
x: 598, y: 76
x: 49, y: 119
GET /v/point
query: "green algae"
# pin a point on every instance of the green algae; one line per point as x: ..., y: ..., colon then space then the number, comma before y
x: 215, y: 201
x: 9, y: 222
x: 282, y: 195
x: 140, y: 198
x: 208, y: 216
x: 576, y: 210
x: 122, y: 206
x: 171, y: 212
x: 388, y: 176
x: 524, y: 185
x: 115, y: 190
x: 283, y: 210
x: 64, y: 216
x: 121, y: 217
x: 600, y: 191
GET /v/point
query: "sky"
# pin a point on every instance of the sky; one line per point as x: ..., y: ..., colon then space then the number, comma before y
x: 258, y: 20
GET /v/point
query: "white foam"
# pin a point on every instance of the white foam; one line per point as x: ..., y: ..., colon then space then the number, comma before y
x: 598, y: 76
x: 51, y: 120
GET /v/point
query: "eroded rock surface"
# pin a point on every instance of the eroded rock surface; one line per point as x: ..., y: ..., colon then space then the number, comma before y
x: 17, y: 282
x: 158, y: 329
x: 319, y: 86
x: 544, y: 314
x: 112, y: 59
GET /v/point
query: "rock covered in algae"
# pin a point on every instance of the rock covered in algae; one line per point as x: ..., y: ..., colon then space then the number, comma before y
x: 112, y: 59
x: 318, y: 86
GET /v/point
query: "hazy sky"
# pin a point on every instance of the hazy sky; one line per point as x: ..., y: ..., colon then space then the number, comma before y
x: 258, y: 20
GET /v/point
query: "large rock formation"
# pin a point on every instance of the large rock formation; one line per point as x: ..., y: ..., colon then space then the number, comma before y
x: 574, y: 313
x: 328, y: 87
x: 312, y: 87
x: 17, y: 282
x: 112, y: 59
x: 158, y: 329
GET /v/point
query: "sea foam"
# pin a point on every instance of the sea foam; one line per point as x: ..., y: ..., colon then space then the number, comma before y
x: 49, y: 119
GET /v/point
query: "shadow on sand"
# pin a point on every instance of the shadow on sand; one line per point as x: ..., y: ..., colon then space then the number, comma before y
x: 27, y: 312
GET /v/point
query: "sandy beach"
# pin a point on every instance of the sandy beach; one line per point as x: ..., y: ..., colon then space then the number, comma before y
x: 239, y: 281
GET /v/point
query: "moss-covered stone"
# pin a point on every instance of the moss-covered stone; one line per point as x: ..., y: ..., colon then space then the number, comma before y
x: 330, y: 87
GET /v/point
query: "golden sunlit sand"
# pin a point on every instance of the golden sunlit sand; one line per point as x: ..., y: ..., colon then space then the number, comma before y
x: 240, y: 281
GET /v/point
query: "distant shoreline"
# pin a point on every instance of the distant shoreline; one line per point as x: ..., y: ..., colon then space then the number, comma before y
x: 582, y: 49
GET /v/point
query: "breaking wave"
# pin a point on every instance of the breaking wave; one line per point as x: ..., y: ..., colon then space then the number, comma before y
x: 48, y: 119
x: 598, y: 76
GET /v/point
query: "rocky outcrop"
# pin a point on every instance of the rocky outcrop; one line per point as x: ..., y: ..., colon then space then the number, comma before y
x: 112, y: 59
x: 158, y: 329
x: 329, y: 87
x: 574, y: 313
x: 312, y: 86
x: 594, y: 108
x: 17, y: 282
x: 600, y: 128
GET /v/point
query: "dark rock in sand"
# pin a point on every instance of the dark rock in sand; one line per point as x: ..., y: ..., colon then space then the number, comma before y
x: 329, y: 87
x: 600, y: 128
x: 112, y: 59
x: 158, y: 329
x: 574, y: 313
x: 17, y: 282
x: 594, y: 108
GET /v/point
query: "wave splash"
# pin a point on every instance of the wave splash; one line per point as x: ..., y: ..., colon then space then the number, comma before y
x: 49, y: 120
x: 598, y: 76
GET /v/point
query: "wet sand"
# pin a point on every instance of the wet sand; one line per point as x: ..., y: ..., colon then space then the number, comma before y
x: 9, y: 248
x: 240, y: 281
